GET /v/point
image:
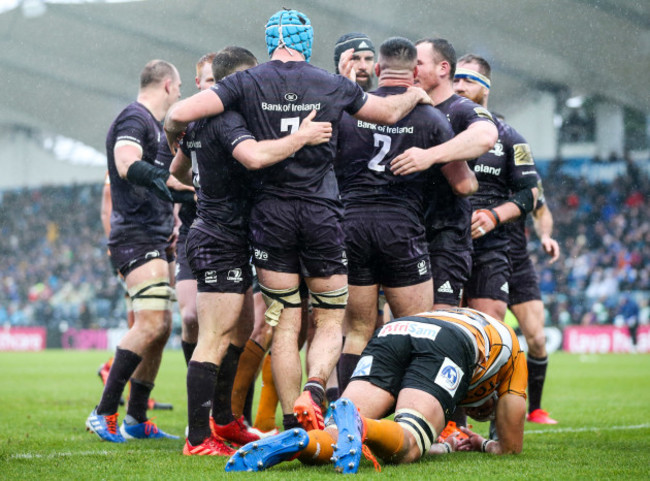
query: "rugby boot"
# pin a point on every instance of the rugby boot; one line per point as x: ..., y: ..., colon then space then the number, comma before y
x: 309, y: 414
x: 262, y: 454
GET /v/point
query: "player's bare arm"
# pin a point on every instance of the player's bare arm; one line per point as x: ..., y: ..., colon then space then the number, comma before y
x: 391, y: 109
x: 255, y: 154
x: 469, y: 144
x: 510, y: 417
x: 543, y: 223
x: 486, y: 220
x: 461, y: 178
x: 181, y: 168
x: 198, y: 106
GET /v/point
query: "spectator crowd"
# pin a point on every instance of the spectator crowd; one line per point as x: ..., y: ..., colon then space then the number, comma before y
x: 55, y: 269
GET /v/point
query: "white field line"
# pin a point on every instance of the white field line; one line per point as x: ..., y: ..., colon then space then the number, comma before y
x: 71, y: 454
x: 584, y: 430
x: 110, y: 453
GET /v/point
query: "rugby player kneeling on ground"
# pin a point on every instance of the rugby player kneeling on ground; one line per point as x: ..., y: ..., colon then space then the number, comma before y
x: 422, y: 367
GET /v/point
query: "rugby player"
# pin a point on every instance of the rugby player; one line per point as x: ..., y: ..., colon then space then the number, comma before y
x: 295, y: 220
x: 526, y: 301
x: 448, y: 215
x: 217, y: 246
x: 419, y: 368
x: 141, y: 227
x: 361, y: 65
x: 507, y: 190
x: 385, y: 235
x: 509, y: 184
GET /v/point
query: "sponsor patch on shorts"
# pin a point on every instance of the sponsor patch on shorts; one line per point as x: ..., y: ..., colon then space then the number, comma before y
x: 410, y: 328
x: 364, y: 366
x: 449, y: 376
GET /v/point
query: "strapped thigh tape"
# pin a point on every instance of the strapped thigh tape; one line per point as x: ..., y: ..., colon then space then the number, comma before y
x: 151, y: 295
x: 418, y: 426
x: 276, y: 300
x: 336, y: 299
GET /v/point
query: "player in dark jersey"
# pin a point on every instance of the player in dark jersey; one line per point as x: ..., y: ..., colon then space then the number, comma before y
x: 526, y: 301
x: 419, y: 368
x: 295, y: 221
x: 185, y: 282
x: 361, y: 64
x: 385, y: 235
x: 494, y: 283
x: 507, y: 190
x: 448, y: 215
x: 217, y: 243
x: 141, y: 227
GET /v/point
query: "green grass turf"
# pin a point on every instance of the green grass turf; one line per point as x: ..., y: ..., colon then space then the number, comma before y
x: 601, y: 401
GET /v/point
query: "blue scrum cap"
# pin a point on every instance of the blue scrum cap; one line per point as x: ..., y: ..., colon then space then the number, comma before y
x: 289, y: 29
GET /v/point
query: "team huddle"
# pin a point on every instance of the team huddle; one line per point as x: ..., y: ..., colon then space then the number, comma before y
x: 339, y: 196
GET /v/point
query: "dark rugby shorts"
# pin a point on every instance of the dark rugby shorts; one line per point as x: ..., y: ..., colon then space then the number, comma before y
x: 490, y: 276
x: 219, y: 261
x: 298, y: 236
x: 524, y: 283
x: 385, y: 247
x: 399, y: 361
x: 450, y: 270
x: 127, y: 257
x: 183, y: 269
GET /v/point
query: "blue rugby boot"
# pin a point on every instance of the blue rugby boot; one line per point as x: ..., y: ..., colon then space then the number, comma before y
x: 145, y: 430
x: 267, y: 452
x: 348, y: 447
x: 104, y: 426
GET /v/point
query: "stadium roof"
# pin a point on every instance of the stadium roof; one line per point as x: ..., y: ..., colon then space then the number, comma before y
x: 71, y: 68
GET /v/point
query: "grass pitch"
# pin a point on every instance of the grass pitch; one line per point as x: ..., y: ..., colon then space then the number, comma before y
x: 601, y: 401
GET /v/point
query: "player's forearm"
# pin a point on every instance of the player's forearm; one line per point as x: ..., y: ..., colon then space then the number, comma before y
x: 467, y: 145
x: 198, y: 106
x: 461, y: 178
x: 256, y: 155
x: 543, y: 222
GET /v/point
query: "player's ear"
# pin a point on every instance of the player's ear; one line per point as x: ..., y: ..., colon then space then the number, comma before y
x: 415, y: 71
x: 168, y: 83
x: 377, y: 69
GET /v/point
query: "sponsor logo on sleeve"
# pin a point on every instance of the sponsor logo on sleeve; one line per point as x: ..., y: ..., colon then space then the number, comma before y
x: 410, y: 328
x: 523, y: 155
x: 483, y: 113
x: 449, y: 376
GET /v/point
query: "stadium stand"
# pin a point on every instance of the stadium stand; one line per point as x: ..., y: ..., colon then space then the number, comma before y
x: 56, y: 270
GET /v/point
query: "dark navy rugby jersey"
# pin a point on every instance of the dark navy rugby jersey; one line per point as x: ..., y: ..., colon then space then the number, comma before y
x: 274, y: 98
x: 507, y: 168
x: 449, y: 216
x: 138, y: 216
x: 223, y: 183
x: 518, y: 251
x: 365, y: 151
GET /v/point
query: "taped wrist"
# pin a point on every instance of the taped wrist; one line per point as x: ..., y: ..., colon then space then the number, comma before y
x: 276, y: 300
x: 147, y: 175
x: 336, y: 299
x: 418, y: 426
x: 182, y: 196
x: 524, y: 199
x: 491, y: 213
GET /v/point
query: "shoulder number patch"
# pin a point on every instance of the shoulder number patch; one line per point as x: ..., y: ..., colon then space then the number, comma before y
x: 523, y: 155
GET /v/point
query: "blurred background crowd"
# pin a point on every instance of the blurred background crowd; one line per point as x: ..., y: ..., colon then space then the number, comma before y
x: 56, y: 272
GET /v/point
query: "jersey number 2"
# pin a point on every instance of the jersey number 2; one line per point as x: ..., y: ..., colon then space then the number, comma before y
x: 383, y: 142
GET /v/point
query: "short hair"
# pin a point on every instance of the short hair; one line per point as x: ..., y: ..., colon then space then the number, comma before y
x: 442, y: 50
x: 398, y: 52
x: 155, y: 72
x: 483, y: 65
x: 227, y: 60
x: 207, y: 58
